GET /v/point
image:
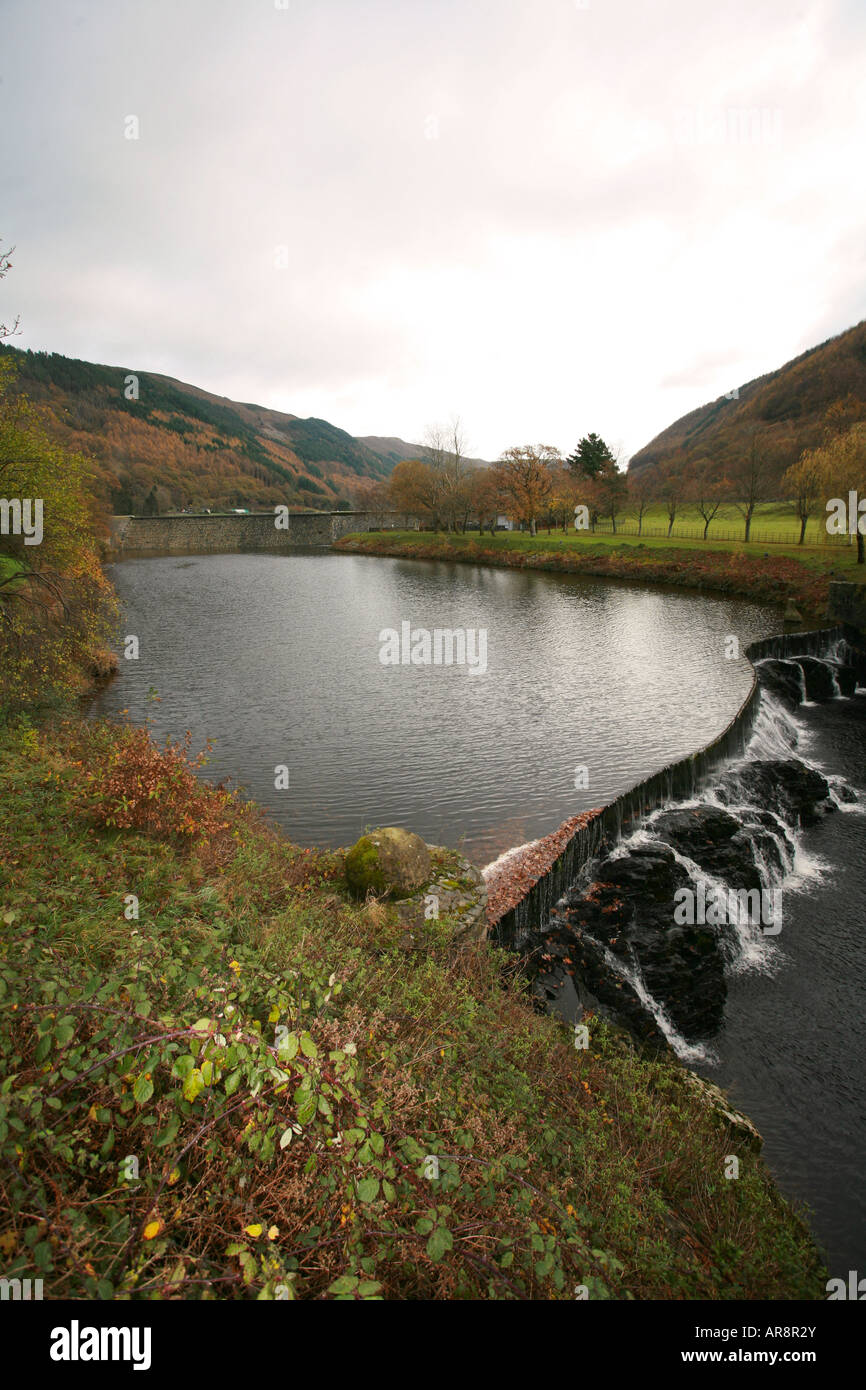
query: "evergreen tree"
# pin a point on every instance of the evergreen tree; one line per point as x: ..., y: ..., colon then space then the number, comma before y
x: 591, y: 458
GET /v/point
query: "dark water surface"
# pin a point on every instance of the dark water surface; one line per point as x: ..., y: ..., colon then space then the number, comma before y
x: 276, y: 657
x: 792, y: 1052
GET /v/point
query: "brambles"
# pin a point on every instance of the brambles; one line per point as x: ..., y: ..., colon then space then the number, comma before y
x: 142, y: 787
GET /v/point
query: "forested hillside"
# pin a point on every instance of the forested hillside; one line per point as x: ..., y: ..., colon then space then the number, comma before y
x: 782, y: 413
x: 173, y: 445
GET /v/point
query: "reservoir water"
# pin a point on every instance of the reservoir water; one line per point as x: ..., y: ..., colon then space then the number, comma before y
x: 277, y: 658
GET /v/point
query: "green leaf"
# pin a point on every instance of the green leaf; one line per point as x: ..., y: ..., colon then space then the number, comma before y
x: 346, y: 1283
x: 286, y: 1137
x: 308, y: 1047
x: 439, y: 1241
x: 143, y: 1089
x: 288, y: 1047
x: 307, y: 1108
x: 367, y: 1189
x: 193, y: 1084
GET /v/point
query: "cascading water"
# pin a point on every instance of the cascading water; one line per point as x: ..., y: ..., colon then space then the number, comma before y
x: 730, y: 837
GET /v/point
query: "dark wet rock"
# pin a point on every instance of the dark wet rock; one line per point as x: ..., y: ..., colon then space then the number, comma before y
x: 846, y: 677
x: 783, y: 679
x: 818, y: 676
x: 766, y: 831
x: 799, y: 794
x: 843, y: 791
x: 599, y: 987
x: 714, y: 839
x: 629, y: 912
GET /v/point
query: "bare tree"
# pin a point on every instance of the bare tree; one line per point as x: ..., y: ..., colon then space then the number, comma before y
x: 707, y: 492
x: 750, y: 482
x: 641, y: 493
x: 5, y: 266
x: 669, y: 491
x: 445, y: 446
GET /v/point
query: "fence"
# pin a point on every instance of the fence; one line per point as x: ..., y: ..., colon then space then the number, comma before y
x: 816, y: 535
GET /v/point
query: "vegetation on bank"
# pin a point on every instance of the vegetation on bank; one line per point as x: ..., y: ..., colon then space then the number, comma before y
x: 787, y: 575
x: 56, y: 605
x: 236, y: 1092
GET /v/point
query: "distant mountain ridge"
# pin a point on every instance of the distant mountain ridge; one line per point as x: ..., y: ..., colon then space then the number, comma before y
x: 174, y: 444
x: 787, y: 408
x: 392, y: 451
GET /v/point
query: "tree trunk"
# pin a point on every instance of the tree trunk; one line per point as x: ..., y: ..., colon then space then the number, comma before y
x: 706, y: 529
x: 803, y: 521
x: 859, y: 548
x: 748, y: 528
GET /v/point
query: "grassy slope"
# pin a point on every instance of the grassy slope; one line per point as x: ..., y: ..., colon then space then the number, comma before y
x: 594, y: 1168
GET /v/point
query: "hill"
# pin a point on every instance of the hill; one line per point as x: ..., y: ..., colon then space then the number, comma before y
x: 176, y: 445
x: 392, y: 451
x: 788, y: 410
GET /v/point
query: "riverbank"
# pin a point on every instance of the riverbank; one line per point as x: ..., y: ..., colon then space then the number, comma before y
x: 733, y: 569
x: 229, y: 1075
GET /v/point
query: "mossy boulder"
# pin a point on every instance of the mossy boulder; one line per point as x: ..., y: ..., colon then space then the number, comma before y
x: 389, y: 860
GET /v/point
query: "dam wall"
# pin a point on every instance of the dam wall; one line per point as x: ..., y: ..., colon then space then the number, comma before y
x: 254, y: 531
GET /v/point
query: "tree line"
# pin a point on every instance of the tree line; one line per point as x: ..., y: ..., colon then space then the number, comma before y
x: 535, y: 485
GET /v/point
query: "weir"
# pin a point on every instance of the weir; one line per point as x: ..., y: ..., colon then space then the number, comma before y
x: 677, y: 781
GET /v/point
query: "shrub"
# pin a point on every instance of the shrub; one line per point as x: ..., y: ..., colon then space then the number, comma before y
x: 142, y: 787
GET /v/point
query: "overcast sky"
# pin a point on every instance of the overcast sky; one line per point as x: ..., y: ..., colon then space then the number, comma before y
x: 546, y: 217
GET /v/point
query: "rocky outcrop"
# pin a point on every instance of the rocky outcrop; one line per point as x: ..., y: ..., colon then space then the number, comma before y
x: 388, y: 862
x: 799, y: 794
x: 715, y: 1100
x: 455, y: 890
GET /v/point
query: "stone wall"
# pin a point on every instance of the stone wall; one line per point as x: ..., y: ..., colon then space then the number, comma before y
x: 847, y: 604
x: 210, y: 535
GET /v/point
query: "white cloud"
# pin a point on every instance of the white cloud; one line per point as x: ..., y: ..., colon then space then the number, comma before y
x: 548, y: 218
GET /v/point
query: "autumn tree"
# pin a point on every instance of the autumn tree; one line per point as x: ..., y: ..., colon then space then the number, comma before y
x: 567, y: 494
x: 843, y: 458
x: 486, y: 498
x: 805, y: 484
x: 525, y: 478
x: 611, y: 488
x: 415, y: 488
